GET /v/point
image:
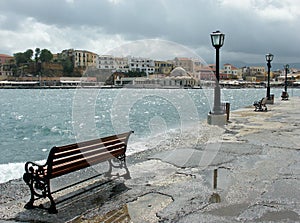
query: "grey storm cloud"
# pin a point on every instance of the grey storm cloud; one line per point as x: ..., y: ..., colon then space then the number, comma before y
x: 252, y: 27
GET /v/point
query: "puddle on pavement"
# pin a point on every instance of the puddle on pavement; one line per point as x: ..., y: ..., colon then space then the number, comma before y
x: 121, y: 216
x: 215, y: 198
x: 231, y: 210
x: 144, y: 209
x: 283, y: 215
x: 221, y: 180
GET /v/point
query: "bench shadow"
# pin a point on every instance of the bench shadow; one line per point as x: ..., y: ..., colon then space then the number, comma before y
x: 78, y: 199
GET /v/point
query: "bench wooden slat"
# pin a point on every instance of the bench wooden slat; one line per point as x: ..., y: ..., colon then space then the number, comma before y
x: 86, y: 155
x: 63, y: 149
x: 86, y: 149
x: 105, y: 141
x: 83, y: 163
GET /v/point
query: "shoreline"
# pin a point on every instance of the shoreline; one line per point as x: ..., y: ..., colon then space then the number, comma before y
x: 259, y: 173
x: 98, y: 86
x: 117, y: 87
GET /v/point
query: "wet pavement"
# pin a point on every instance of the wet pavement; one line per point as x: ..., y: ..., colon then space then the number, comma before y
x: 249, y: 173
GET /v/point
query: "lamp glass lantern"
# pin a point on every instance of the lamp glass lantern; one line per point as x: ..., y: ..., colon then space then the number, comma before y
x: 287, y: 66
x: 217, y: 39
x: 269, y: 57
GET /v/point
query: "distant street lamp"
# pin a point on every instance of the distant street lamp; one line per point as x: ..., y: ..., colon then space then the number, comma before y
x: 217, y: 39
x: 285, y: 95
x: 286, y: 72
x: 269, y: 58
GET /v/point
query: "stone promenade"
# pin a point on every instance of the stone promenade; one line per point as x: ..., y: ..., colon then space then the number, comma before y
x: 249, y: 173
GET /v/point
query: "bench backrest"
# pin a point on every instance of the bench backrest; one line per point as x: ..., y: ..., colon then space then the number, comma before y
x: 69, y: 158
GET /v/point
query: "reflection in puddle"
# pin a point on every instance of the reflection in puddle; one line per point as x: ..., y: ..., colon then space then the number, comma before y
x: 219, y: 179
x: 224, y: 178
x: 144, y: 209
x: 121, y: 215
x: 283, y: 215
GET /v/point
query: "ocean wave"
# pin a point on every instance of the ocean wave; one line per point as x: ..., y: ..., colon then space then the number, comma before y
x: 11, y: 171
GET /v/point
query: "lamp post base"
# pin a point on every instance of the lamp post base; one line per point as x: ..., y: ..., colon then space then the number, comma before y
x: 217, y: 119
x: 284, y: 96
x: 270, y: 101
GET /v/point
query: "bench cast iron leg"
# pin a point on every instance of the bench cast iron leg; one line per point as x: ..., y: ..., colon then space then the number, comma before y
x: 29, y: 181
x: 43, y: 187
x: 121, y: 165
x: 52, y: 209
x: 108, y: 173
x: 127, y: 175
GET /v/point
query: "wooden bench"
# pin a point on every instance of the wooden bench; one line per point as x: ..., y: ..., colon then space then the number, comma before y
x: 261, y: 105
x: 69, y: 158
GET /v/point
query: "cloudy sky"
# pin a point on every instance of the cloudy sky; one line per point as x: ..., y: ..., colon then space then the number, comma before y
x: 252, y: 27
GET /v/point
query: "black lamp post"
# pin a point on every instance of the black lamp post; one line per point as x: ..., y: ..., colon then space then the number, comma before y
x: 269, y: 58
x: 284, y: 94
x: 217, y: 39
x: 286, y: 67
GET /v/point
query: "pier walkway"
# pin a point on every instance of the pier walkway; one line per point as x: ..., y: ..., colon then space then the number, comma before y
x: 250, y: 173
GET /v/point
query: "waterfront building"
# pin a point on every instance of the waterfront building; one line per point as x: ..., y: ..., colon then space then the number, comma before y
x: 106, y: 62
x: 142, y: 65
x: 193, y: 66
x: 254, y: 70
x: 255, y: 73
x: 206, y: 73
x: 232, y: 71
x: 163, y: 67
x: 188, y: 64
x: 122, y: 64
x: 81, y: 58
x: 6, y: 62
x: 250, y: 78
x: 178, y: 78
x: 292, y: 77
x: 4, y: 58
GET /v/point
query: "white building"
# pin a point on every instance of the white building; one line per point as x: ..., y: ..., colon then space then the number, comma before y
x: 142, y: 65
x: 122, y: 64
x: 106, y: 62
x: 230, y: 69
x: 178, y: 78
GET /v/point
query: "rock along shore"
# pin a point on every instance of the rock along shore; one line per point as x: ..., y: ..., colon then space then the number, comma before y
x: 255, y: 161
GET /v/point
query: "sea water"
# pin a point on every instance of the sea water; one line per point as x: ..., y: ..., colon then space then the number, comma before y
x: 35, y: 120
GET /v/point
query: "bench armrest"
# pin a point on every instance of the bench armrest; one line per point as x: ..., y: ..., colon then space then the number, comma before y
x: 35, y: 169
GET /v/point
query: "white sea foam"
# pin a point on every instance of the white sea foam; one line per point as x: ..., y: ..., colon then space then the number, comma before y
x: 13, y: 171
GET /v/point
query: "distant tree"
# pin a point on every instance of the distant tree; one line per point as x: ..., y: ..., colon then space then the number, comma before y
x: 20, y: 58
x: 37, y: 66
x: 37, y: 54
x: 28, y: 55
x: 67, y: 65
x: 136, y: 74
x: 45, y: 55
x: 23, y: 57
